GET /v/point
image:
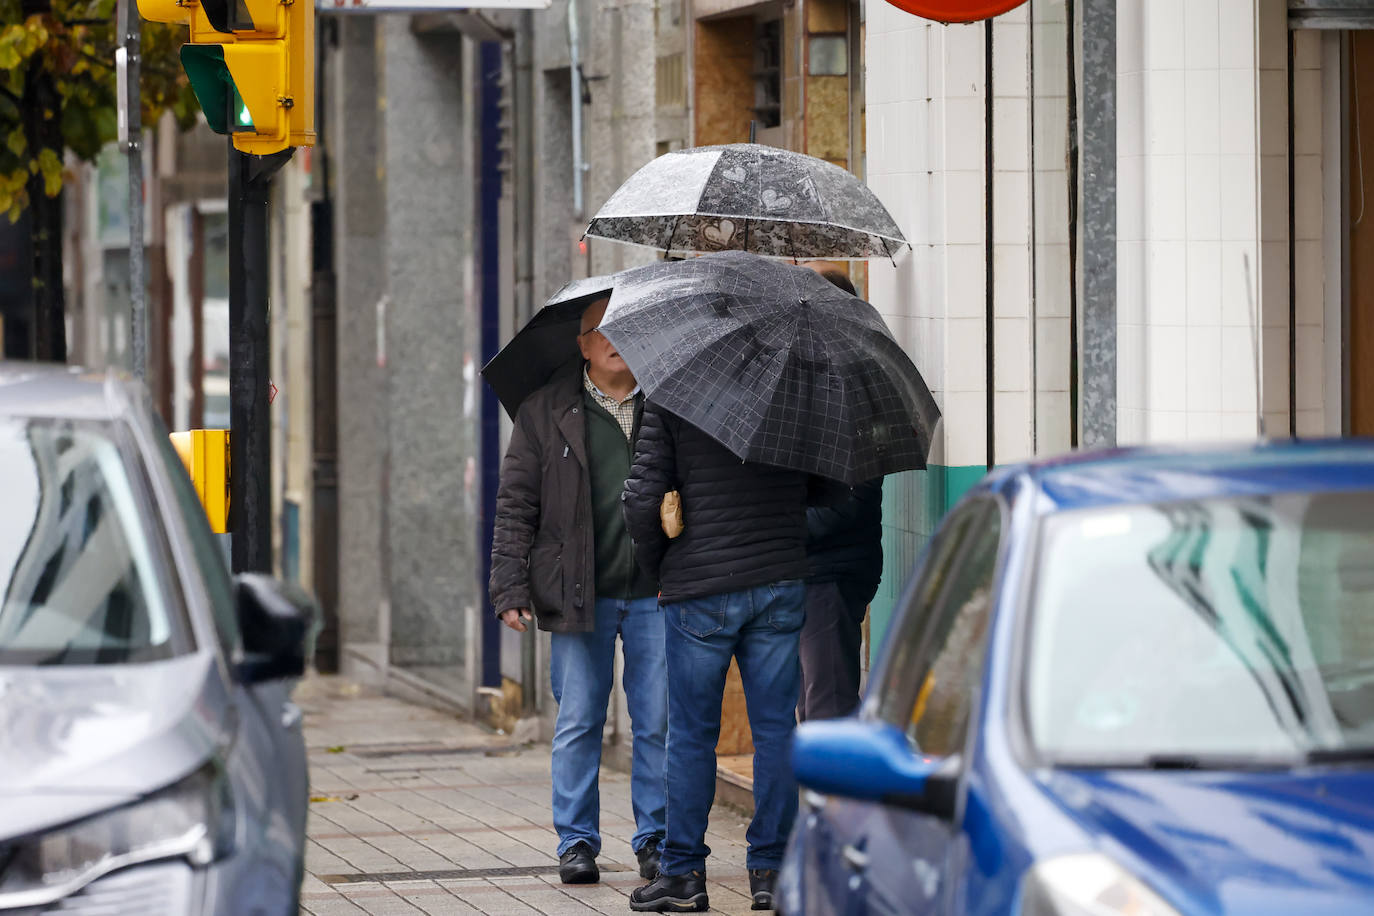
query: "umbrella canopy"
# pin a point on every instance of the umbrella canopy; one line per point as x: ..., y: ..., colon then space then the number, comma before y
x: 775, y: 362
x: 749, y: 197
x: 545, y: 346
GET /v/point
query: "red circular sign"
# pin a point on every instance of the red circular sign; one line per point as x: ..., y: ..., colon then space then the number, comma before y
x: 957, y: 10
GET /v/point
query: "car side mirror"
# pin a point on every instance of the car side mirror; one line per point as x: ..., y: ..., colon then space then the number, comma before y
x: 278, y: 622
x: 873, y: 761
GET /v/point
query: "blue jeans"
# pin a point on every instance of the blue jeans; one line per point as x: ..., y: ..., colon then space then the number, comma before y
x: 761, y: 627
x: 582, y: 668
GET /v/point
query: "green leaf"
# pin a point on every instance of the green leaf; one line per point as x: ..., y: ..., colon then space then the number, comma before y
x: 9, y: 54
x: 17, y: 142
x: 51, y: 164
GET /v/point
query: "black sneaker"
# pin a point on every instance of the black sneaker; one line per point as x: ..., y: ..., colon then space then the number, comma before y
x: 578, y: 865
x: 761, y: 883
x: 648, y: 856
x: 672, y: 894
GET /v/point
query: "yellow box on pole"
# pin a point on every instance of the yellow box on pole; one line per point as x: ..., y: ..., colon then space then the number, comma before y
x: 205, y: 452
x: 252, y: 66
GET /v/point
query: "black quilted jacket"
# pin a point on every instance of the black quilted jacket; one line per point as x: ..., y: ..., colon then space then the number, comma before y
x: 744, y: 524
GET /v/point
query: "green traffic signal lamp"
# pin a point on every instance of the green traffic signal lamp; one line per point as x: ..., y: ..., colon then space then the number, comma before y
x: 220, y: 99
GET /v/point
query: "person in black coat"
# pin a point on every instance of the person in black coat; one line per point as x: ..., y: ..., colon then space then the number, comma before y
x: 844, y: 550
x: 730, y: 586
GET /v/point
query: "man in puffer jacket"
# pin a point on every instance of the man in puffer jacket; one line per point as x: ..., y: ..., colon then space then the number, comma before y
x: 844, y: 549
x: 730, y: 585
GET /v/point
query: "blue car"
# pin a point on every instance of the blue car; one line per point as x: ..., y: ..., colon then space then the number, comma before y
x: 1138, y: 682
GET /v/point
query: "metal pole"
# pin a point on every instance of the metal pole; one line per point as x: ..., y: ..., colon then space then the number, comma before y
x: 131, y: 135
x: 325, y: 377
x: 1097, y: 223
x: 250, y: 440
x: 197, y: 272
x: 575, y: 78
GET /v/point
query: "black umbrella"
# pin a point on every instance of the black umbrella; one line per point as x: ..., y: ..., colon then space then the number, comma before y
x: 775, y: 362
x: 545, y: 346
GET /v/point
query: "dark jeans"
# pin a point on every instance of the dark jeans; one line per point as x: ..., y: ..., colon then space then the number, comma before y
x: 831, y: 641
x: 760, y: 627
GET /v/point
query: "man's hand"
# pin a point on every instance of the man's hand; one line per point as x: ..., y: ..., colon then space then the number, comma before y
x: 515, y: 618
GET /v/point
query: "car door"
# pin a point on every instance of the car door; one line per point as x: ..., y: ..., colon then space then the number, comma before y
x: 902, y: 861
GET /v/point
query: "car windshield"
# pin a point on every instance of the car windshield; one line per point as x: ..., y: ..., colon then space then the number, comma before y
x: 1237, y: 628
x: 77, y: 583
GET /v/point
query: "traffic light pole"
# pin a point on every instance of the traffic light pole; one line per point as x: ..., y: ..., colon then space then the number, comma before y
x: 250, y: 440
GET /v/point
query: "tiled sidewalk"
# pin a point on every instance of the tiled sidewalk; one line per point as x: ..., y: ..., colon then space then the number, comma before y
x: 413, y: 811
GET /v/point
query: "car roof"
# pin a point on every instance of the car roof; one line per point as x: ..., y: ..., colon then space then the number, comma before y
x: 55, y: 390
x: 1123, y: 476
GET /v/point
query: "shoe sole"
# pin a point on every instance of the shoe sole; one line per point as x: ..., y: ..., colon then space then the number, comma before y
x: 589, y: 877
x: 697, y: 903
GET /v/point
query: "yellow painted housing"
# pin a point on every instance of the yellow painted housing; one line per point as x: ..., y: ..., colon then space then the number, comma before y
x: 205, y: 452
x: 273, y: 67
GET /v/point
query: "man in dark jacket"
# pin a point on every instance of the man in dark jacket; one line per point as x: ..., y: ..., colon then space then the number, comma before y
x: 562, y: 551
x: 844, y: 550
x: 731, y: 585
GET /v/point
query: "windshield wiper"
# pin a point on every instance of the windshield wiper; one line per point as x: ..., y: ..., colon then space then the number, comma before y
x: 1340, y: 755
x: 1176, y: 762
x: 1215, y: 762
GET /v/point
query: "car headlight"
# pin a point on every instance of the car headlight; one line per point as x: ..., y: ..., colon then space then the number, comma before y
x: 192, y: 819
x: 1089, y: 884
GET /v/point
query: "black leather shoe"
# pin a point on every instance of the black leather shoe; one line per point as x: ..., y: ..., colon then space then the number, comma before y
x: 648, y: 856
x: 578, y: 865
x: 672, y: 894
x: 761, y: 883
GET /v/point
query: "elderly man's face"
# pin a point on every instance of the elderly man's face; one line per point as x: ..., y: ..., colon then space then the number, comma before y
x: 596, y: 349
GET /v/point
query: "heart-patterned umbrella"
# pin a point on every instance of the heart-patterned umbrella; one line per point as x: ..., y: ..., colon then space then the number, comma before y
x: 749, y: 197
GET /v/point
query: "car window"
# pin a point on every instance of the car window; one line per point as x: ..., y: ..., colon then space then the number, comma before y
x: 938, y: 661
x: 79, y: 581
x: 208, y: 552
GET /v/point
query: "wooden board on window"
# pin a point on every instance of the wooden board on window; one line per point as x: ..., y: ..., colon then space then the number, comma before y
x: 735, y: 736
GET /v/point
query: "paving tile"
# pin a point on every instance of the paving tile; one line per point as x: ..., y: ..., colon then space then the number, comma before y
x: 475, y: 830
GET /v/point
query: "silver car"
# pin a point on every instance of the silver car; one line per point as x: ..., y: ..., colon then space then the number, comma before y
x: 151, y: 759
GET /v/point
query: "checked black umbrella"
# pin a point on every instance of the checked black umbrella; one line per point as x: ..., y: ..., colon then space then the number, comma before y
x: 749, y: 197
x: 775, y: 362
x: 545, y: 346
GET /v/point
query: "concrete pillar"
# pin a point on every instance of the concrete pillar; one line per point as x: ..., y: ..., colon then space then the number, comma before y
x: 360, y: 232
x: 430, y: 327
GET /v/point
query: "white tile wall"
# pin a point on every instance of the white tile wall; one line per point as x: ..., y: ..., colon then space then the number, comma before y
x: 926, y: 130
x: 1204, y: 369
x: 1011, y: 280
x: 1202, y: 111
x: 1167, y: 303
x: 1013, y: 426
x: 1201, y: 38
x: 1202, y: 213
x: 1012, y: 345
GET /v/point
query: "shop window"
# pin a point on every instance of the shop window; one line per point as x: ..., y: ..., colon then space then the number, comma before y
x: 828, y: 55
x: 768, y: 73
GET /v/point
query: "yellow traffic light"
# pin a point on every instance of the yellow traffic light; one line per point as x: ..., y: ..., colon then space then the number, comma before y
x: 252, y: 66
x: 205, y: 452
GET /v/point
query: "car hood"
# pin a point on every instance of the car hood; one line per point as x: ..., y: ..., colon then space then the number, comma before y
x: 1254, y: 843
x: 80, y: 739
